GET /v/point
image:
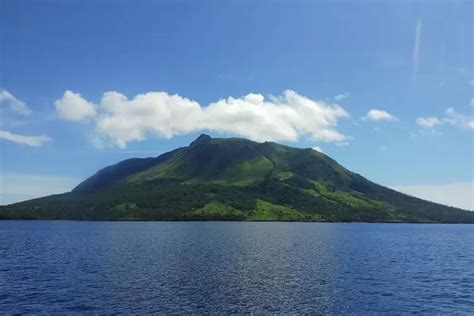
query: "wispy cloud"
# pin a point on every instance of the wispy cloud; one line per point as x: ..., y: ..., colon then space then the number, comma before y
x: 416, y: 49
x: 14, y: 104
x: 457, y: 119
x: 451, y: 117
x: 342, y: 96
x: 428, y: 121
x: 17, y: 107
x: 225, y: 76
x: 158, y: 114
x: 379, y: 115
x: 34, y: 141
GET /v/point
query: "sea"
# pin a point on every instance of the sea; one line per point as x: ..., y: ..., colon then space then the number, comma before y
x: 81, y: 267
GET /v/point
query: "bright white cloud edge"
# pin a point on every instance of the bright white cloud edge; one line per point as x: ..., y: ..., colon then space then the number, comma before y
x: 379, y: 115
x: 120, y: 120
x: 73, y: 107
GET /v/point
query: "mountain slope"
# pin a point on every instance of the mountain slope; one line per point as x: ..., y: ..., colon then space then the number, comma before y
x: 233, y: 179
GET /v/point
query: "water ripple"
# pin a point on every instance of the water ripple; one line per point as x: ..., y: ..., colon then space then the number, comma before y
x: 224, y: 267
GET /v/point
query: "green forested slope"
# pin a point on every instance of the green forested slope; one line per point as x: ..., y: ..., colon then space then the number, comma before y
x: 233, y: 179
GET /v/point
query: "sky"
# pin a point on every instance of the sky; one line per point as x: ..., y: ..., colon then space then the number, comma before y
x: 383, y: 87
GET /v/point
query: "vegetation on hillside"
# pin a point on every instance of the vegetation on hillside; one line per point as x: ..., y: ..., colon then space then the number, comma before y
x: 233, y: 179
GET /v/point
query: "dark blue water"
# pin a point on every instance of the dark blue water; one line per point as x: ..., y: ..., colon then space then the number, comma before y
x: 227, y: 267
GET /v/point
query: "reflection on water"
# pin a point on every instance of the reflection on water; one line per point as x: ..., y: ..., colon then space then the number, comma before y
x: 226, y: 267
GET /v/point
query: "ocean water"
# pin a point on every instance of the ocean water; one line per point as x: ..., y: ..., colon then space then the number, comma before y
x: 235, y: 267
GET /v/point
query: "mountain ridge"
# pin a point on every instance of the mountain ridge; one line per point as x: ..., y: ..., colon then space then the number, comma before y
x: 233, y: 179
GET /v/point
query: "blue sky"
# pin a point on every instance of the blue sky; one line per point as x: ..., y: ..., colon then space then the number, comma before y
x: 390, y: 82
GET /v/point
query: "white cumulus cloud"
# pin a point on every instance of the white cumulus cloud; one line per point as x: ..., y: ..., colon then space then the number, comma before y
x: 73, y: 107
x: 34, y: 141
x: 283, y: 118
x: 379, y: 115
x: 15, y: 105
x: 159, y: 114
x: 151, y: 114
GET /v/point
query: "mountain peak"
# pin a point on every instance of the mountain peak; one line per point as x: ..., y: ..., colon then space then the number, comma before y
x: 234, y: 179
x: 201, y: 138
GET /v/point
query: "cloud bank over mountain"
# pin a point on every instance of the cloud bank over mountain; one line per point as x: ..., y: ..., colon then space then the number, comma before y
x: 288, y: 117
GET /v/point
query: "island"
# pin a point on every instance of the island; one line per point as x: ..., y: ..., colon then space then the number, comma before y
x: 233, y: 179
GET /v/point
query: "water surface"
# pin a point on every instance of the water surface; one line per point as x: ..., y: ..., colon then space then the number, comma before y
x: 235, y: 267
